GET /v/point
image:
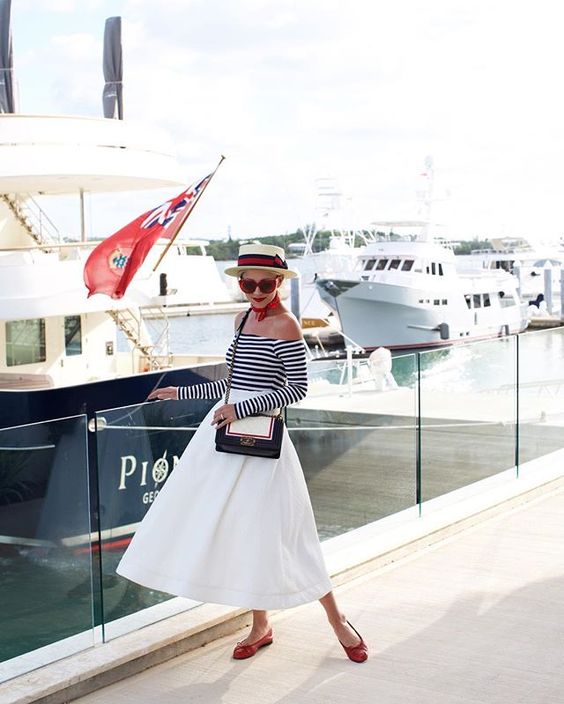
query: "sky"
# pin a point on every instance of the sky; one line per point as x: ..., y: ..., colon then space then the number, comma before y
x: 356, y: 94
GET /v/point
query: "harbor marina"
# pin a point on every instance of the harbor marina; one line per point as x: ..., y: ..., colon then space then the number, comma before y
x: 83, y: 457
x: 385, y: 440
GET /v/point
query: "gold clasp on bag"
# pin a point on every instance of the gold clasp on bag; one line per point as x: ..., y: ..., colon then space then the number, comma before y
x: 247, y: 442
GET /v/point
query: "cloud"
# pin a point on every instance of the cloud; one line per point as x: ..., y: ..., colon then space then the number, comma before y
x: 59, y: 6
x: 359, y: 90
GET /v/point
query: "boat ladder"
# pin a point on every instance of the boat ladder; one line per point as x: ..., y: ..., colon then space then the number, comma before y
x: 33, y: 219
x: 148, y: 330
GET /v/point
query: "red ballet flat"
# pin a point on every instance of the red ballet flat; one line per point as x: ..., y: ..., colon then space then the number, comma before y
x: 241, y: 651
x: 358, y: 652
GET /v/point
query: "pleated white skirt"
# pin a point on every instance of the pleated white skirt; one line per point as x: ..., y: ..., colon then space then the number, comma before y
x: 231, y: 529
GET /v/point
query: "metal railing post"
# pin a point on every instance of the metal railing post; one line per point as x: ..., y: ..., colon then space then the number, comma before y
x: 418, y: 437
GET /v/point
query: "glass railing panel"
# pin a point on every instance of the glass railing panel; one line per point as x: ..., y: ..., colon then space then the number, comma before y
x: 138, y: 447
x: 541, y: 396
x: 355, y: 434
x: 46, y: 586
x: 468, y: 402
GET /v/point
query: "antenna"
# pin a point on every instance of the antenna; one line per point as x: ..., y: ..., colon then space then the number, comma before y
x: 425, y: 197
x: 330, y: 209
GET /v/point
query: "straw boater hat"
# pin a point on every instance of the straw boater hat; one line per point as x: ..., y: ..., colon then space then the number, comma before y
x: 265, y: 257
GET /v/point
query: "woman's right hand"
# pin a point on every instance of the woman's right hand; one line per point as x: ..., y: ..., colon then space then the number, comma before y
x: 166, y: 393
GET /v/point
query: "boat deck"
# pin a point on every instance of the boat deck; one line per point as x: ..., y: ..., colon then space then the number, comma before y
x: 475, y: 618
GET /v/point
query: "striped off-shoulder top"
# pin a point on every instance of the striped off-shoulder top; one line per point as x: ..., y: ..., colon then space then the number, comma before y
x: 261, y: 364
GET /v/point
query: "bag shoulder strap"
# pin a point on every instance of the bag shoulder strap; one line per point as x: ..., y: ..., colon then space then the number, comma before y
x: 236, y: 340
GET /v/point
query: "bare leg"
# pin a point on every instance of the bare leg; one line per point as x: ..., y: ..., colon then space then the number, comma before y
x: 338, y: 620
x: 259, y: 629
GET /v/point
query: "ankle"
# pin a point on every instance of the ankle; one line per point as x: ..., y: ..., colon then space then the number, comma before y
x: 262, y: 625
x: 338, y: 620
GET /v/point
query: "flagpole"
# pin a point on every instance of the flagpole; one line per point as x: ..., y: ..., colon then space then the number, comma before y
x: 169, y: 245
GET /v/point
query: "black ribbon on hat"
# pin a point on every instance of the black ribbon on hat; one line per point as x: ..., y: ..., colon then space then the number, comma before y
x: 276, y: 261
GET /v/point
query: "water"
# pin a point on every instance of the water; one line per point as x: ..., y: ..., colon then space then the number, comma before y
x: 201, y: 334
x: 475, y: 366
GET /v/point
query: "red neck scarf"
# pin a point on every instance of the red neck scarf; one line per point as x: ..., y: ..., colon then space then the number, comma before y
x: 262, y: 311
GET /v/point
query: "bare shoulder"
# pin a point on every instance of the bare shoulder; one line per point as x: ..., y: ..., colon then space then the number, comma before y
x: 286, y: 327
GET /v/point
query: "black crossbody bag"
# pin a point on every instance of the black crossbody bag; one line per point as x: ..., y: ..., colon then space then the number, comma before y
x: 258, y: 435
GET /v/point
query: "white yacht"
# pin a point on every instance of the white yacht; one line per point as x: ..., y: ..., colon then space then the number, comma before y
x: 51, y: 334
x: 187, y: 282
x: 530, y: 262
x: 408, y: 294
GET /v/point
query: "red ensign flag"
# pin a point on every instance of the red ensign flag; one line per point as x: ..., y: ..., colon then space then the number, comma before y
x: 113, y: 263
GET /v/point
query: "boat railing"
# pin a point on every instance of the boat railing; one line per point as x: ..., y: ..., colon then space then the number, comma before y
x: 319, y: 350
x: 148, y: 331
x: 352, y: 375
x: 33, y: 218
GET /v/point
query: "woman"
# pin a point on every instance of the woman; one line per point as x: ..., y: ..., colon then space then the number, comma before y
x: 234, y: 529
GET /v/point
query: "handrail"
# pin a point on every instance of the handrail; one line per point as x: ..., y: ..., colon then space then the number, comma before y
x: 54, y: 245
x: 42, y: 220
x: 33, y: 219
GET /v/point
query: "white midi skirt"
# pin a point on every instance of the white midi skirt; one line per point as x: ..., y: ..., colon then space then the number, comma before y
x: 231, y: 529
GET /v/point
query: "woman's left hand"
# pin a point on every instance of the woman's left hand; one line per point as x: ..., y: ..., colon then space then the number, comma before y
x: 223, y: 415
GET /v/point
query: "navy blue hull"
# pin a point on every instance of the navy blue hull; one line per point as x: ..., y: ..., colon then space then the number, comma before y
x: 22, y: 407
x: 47, y: 492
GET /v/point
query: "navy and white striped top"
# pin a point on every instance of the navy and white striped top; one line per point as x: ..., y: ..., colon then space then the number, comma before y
x: 261, y: 363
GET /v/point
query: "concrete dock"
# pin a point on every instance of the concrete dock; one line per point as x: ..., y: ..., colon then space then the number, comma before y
x: 475, y: 618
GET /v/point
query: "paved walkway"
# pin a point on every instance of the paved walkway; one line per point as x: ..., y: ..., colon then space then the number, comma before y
x: 475, y: 619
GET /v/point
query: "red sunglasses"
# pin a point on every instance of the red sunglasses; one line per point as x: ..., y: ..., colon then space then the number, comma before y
x: 265, y: 285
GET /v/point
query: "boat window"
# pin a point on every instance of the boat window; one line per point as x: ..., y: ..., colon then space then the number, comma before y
x: 440, y: 269
x: 73, y: 335
x: 506, y: 299
x: 433, y: 269
x: 25, y: 342
x: 477, y: 300
x: 407, y: 265
x: 445, y: 301
x: 487, y: 302
x: 437, y: 302
x: 468, y: 299
x: 394, y: 264
x: 505, y: 264
x: 369, y: 264
x: 381, y: 264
